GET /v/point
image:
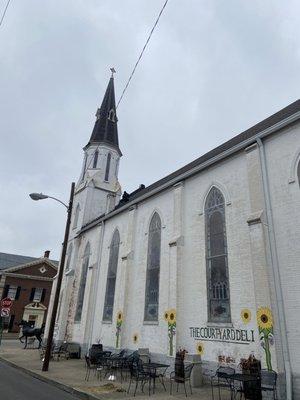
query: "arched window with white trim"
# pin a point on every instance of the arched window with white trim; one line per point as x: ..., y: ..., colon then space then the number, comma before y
x: 69, y: 257
x: 298, y: 172
x: 153, y: 268
x: 107, y: 167
x: 76, y: 216
x: 111, y: 277
x: 218, y: 294
x: 95, y: 161
x: 82, y: 285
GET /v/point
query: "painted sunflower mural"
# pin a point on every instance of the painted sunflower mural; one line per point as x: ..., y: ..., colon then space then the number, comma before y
x: 200, y: 348
x: 265, y: 326
x: 170, y: 318
x: 246, y: 315
x: 135, y: 338
x: 118, y: 328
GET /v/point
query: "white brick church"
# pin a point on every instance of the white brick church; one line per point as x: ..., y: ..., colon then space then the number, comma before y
x: 206, y: 259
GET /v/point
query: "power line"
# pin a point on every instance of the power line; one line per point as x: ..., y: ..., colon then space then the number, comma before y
x: 142, y: 52
x: 132, y: 73
x: 4, y: 12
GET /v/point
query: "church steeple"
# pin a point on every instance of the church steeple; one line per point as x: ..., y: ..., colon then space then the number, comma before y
x: 106, y: 125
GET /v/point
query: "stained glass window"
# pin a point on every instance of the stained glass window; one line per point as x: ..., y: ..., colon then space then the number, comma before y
x: 81, y: 290
x: 216, y: 258
x: 153, y: 267
x: 107, y: 166
x: 111, y: 277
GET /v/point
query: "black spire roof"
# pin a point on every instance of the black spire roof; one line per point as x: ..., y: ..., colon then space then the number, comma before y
x: 106, y: 127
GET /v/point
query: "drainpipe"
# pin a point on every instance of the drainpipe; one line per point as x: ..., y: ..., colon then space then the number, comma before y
x: 274, y: 271
x: 96, y: 285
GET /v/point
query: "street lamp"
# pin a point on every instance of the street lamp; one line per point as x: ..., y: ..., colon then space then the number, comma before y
x: 41, y: 196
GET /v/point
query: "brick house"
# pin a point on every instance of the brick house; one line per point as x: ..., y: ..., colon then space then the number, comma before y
x: 28, y: 282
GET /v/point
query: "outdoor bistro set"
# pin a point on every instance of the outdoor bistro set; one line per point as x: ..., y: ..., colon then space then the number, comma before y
x: 251, y: 382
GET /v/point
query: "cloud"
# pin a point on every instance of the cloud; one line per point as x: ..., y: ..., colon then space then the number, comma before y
x: 212, y: 69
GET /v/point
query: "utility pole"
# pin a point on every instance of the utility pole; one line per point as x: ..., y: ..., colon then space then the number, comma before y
x: 59, y: 280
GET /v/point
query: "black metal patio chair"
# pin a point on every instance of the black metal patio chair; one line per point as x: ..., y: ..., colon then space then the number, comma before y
x: 182, y: 379
x: 269, y: 382
x: 139, y: 375
x: 91, y: 367
x: 221, y: 379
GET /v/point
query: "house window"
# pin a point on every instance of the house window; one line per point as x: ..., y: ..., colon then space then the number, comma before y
x: 216, y: 258
x: 38, y: 295
x: 95, y: 159
x: 153, y: 267
x: 107, y: 167
x: 111, y: 277
x: 12, y: 292
x: 76, y: 216
x: 81, y: 291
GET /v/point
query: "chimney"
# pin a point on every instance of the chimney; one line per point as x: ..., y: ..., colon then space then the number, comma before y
x: 47, y: 253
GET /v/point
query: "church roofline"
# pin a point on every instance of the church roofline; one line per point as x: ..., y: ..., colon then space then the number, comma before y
x: 268, y: 126
x: 105, y: 143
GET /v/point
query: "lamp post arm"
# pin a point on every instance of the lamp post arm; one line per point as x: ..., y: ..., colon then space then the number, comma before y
x: 61, y: 202
x: 59, y: 280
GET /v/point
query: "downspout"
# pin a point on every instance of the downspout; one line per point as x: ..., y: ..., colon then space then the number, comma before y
x: 274, y: 271
x: 96, y: 284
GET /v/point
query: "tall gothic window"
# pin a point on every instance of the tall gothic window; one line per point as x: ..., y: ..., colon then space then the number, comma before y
x: 76, y: 216
x: 95, y: 159
x: 107, y: 167
x: 84, y: 271
x: 216, y: 258
x: 69, y: 255
x: 298, y: 172
x: 84, y: 166
x: 111, y: 277
x: 153, y: 266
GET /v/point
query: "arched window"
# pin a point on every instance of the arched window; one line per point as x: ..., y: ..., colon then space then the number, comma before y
x: 107, y: 167
x: 111, y: 115
x: 69, y: 255
x: 95, y: 159
x: 84, y: 271
x: 111, y: 277
x: 153, y: 266
x: 216, y: 258
x: 84, y: 166
x: 76, y: 216
x: 298, y: 172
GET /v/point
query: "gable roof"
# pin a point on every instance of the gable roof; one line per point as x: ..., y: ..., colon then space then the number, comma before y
x: 8, y: 260
x: 269, y: 125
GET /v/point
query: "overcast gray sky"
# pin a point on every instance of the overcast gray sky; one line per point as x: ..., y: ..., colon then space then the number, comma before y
x: 213, y: 68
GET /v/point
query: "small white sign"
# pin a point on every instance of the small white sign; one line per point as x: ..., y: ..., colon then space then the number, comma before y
x: 5, y: 312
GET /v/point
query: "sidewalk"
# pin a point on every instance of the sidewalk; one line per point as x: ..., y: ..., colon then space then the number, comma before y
x: 69, y: 375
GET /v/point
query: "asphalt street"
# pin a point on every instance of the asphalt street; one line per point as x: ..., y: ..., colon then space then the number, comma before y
x: 16, y: 385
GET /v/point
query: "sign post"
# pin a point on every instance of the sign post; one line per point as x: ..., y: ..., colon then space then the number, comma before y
x: 4, y: 312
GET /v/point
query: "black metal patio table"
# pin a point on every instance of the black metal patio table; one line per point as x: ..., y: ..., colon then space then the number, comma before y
x: 156, y: 370
x: 249, y: 385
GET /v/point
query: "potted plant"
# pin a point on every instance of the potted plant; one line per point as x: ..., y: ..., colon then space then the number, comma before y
x: 251, y: 366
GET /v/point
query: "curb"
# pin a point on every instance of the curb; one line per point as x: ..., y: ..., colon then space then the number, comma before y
x: 62, y: 386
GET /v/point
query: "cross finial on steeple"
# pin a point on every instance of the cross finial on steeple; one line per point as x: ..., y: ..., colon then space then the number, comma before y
x: 113, y: 71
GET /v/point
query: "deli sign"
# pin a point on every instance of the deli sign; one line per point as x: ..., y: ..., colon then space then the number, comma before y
x: 218, y: 334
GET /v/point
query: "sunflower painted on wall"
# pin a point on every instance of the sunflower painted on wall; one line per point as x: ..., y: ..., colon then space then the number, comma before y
x: 200, y: 348
x: 118, y: 328
x: 246, y: 315
x: 135, y: 338
x: 170, y: 318
x: 265, y: 327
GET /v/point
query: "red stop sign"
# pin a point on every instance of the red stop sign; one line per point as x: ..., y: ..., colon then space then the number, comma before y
x: 6, y: 303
